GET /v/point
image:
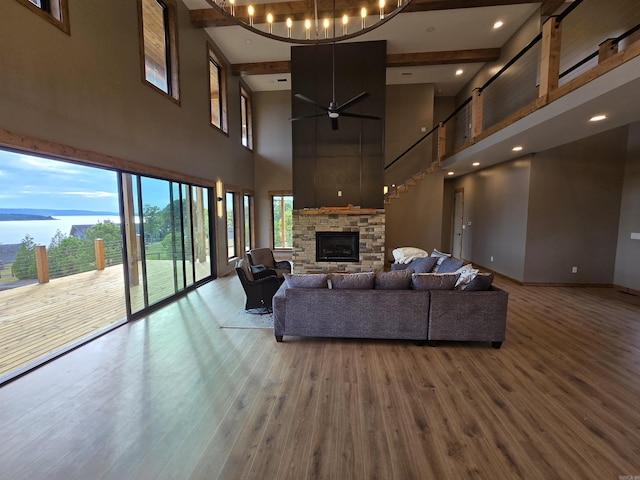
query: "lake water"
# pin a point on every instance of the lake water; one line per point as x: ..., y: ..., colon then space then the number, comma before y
x: 43, y: 230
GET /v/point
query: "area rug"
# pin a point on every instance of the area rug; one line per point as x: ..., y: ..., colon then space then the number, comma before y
x: 249, y: 319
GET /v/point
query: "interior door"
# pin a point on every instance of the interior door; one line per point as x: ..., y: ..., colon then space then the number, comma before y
x: 458, y: 222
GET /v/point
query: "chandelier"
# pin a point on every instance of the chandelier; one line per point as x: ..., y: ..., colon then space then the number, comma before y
x: 307, y: 27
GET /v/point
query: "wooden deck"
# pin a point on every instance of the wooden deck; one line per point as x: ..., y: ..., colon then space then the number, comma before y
x: 41, y: 319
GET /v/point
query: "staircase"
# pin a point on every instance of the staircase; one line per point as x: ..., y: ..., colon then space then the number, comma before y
x: 397, y: 190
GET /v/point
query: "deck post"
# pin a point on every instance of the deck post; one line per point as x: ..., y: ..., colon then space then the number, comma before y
x: 476, y: 113
x: 550, y: 56
x: 42, y: 266
x: 607, y: 49
x: 99, y: 247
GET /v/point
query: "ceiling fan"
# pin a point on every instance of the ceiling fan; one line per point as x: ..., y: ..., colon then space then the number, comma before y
x: 334, y: 110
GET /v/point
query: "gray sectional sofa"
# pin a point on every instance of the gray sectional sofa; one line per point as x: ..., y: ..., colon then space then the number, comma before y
x: 407, y: 314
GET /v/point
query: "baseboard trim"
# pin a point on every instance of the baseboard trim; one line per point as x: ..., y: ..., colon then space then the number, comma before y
x: 544, y: 284
x: 630, y: 291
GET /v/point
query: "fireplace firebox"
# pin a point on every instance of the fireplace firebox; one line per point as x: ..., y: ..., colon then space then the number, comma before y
x: 337, y: 246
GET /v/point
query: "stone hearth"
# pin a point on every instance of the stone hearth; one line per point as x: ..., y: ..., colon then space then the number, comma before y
x: 370, y: 223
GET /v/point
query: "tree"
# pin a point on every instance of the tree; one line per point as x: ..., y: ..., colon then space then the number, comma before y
x: 110, y: 233
x: 70, y: 255
x: 24, y: 265
x: 153, y: 223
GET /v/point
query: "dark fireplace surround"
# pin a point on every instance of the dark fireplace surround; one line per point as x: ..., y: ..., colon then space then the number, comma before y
x: 337, y: 246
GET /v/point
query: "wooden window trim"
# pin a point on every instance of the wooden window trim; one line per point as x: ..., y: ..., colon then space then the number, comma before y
x: 173, y: 64
x: 218, y: 59
x: 252, y: 218
x: 271, y: 194
x: 236, y: 224
x: 58, y: 16
x: 246, y: 93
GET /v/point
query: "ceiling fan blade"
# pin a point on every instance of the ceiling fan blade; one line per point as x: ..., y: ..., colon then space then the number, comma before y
x: 334, y: 123
x: 353, y: 101
x: 357, y: 115
x: 308, y: 116
x: 308, y: 100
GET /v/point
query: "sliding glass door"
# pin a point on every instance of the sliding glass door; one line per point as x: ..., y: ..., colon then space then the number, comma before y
x: 168, y: 238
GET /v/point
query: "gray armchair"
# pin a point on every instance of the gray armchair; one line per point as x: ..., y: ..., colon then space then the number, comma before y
x: 259, y: 291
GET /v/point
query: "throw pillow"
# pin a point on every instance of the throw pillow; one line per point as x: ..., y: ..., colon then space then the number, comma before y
x: 306, y: 280
x: 433, y: 281
x: 481, y: 283
x: 399, y: 266
x: 467, y: 273
x: 423, y: 265
x: 450, y: 265
x: 355, y: 281
x: 397, y: 280
x: 406, y: 254
x: 441, y: 256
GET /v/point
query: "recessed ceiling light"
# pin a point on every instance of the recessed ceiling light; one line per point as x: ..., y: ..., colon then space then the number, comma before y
x: 459, y: 71
x: 498, y: 24
x: 597, y: 118
x: 450, y: 173
x: 475, y: 164
x: 248, y: 41
x: 517, y: 148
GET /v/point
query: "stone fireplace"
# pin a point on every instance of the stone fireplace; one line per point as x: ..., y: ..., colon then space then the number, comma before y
x: 311, y: 224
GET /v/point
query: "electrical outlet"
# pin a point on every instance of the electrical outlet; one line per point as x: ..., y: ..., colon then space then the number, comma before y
x: 574, y: 269
x: 339, y: 193
x: 492, y: 258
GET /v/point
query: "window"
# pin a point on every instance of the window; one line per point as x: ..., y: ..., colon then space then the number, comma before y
x: 218, y: 89
x: 159, y: 45
x: 54, y: 11
x: 282, y: 220
x: 245, y: 114
x: 248, y: 221
x: 232, y: 223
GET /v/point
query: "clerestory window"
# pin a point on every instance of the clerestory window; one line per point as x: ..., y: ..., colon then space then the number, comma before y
x: 55, y: 12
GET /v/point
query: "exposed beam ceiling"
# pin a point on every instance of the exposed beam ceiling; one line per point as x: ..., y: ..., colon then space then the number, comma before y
x: 393, y: 60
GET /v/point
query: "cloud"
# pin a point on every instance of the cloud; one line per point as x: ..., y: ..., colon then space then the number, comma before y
x: 91, y: 194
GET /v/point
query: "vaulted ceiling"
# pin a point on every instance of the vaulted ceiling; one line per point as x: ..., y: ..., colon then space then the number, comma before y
x: 426, y: 43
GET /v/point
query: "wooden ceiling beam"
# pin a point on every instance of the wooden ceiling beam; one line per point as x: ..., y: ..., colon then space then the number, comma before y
x: 262, y: 68
x: 393, y: 60
x: 442, y: 58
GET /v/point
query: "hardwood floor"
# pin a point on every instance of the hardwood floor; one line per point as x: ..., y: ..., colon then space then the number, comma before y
x: 174, y: 396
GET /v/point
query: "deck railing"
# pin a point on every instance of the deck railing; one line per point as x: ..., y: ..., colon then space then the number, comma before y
x: 567, y: 49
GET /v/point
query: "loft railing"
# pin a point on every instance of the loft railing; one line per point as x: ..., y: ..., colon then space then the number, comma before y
x: 561, y: 53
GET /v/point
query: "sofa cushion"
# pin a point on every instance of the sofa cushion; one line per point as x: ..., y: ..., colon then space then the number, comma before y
x: 354, y: 281
x: 450, y: 265
x: 406, y: 254
x: 396, y: 280
x: 306, y: 280
x: 481, y: 282
x: 434, y: 281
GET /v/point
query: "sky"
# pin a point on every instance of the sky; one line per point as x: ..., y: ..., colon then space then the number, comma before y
x: 34, y: 182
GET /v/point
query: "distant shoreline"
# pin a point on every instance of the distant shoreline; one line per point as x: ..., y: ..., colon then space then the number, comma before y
x: 12, y: 217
